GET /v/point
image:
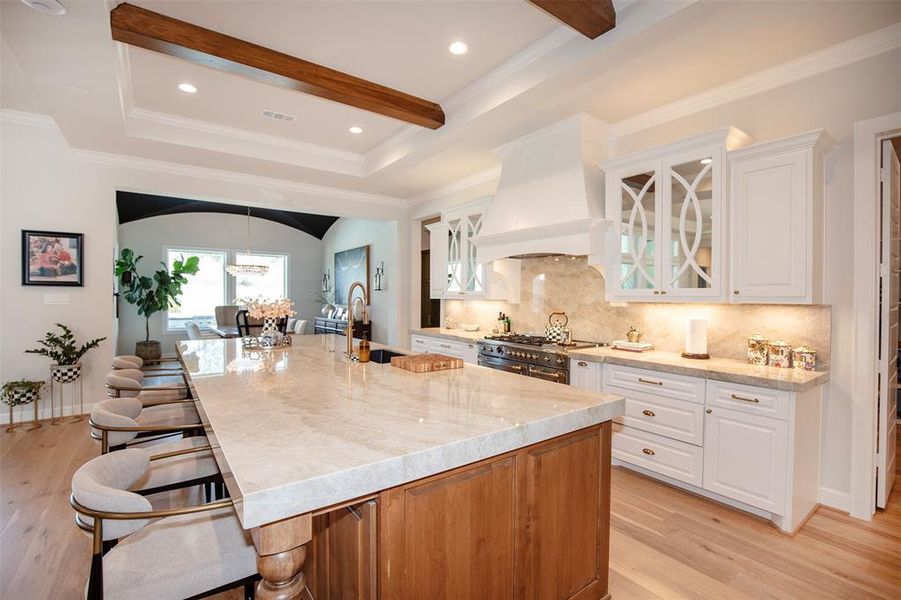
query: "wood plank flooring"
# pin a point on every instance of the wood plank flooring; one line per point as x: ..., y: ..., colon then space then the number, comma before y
x: 665, y: 543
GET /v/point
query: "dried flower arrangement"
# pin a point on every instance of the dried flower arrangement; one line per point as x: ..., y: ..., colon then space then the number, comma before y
x: 261, y: 308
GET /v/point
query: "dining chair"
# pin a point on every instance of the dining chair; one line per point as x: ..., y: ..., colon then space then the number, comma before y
x: 139, y: 553
x: 116, y: 422
x: 225, y: 314
x: 133, y: 383
x: 193, y: 330
x: 247, y: 324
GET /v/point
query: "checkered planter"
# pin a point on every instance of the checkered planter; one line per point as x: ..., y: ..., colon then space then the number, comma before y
x: 65, y: 373
x: 20, y: 397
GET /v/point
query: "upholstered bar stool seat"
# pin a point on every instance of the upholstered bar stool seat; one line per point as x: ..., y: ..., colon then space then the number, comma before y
x: 178, y: 469
x: 174, y: 557
x: 130, y: 413
x: 151, y: 390
x: 130, y: 361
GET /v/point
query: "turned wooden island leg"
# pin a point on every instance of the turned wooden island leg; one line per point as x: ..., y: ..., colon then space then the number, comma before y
x: 281, y: 551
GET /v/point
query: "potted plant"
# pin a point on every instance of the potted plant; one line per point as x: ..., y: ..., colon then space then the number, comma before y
x: 65, y: 353
x: 152, y: 294
x: 17, y: 393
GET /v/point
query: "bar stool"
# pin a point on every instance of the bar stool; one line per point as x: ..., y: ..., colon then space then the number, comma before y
x: 132, y: 383
x: 116, y: 422
x: 189, y: 552
x: 130, y: 361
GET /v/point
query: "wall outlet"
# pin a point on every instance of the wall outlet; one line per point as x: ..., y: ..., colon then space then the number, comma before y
x: 57, y: 299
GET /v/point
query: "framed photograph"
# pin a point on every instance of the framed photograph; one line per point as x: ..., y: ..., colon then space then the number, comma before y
x: 52, y: 258
x: 350, y: 266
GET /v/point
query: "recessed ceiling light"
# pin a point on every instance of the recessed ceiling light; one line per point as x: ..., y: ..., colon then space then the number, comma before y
x: 187, y: 88
x: 458, y: 48
x: 706, y: 161
x: 356, y: 129
x: 48, y: 7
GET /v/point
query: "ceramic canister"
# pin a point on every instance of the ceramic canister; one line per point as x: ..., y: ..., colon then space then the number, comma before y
x: 758, y: 349
x: 805, y: 358
x: 780, y: 354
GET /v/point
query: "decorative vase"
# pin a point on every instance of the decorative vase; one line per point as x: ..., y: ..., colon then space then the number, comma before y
x: 65, y: 373
x: 270, y: 335
x: 149, y: 351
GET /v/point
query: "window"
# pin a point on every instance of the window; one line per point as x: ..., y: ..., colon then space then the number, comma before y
x: 204, y: 291
x: 272, y: 285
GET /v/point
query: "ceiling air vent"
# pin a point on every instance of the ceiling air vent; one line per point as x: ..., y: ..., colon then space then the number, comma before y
x: 277, y: 116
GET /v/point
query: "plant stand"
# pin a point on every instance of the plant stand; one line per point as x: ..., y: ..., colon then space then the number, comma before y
x: 66, y: 376
x: 14, y: 427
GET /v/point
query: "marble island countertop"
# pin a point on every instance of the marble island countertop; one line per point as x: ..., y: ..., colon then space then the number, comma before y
x: 301, y: 429
x: 720, y: 369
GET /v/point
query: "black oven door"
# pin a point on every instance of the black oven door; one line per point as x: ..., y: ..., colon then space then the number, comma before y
x: 555, y: 375
x: 502, y: 364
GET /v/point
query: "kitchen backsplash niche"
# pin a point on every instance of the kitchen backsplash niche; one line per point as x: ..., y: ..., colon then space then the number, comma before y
x: 568, y: 284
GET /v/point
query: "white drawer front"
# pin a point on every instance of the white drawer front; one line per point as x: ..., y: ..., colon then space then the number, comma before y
x: 672, y: 458
x: 420, y: 344
x: 748, y: 399
x: 675, y: 419
x: 447, y: 347
x: 678, y: 387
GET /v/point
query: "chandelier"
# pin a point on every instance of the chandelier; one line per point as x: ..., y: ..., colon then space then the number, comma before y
x: 236, y: 270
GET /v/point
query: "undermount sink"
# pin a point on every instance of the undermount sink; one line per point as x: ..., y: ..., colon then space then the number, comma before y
x: 383, y: 356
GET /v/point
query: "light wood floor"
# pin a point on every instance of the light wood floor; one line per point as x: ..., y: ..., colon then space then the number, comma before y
x: 665, y: 543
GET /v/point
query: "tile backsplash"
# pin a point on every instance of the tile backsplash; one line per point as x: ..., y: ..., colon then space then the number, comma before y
x: 568, y: 284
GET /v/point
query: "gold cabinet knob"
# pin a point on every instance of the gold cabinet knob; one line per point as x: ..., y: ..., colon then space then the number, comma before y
x: 656, y: 292
x: 648, y: 413
x: 648, y: 451
x: 735, y: 292
x: 709, y: 411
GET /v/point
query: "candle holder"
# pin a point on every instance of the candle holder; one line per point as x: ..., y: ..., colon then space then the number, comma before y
x: 696, y: 340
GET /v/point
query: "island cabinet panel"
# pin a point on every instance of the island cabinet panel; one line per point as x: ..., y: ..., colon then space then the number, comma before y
x: 341, y: 561
x: 451, y: 536
x: 531, y: 524
x: 563, y: 517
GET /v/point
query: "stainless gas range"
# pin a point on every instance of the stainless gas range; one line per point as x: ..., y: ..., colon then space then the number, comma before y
x: 529, y: 355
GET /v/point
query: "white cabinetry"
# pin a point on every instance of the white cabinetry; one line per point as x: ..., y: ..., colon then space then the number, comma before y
x: 456, y: 271
x: 468, y: 351
x: 668, y: 218
x: 752, y: 447
x: 777, y: 210
x: 585, y: 375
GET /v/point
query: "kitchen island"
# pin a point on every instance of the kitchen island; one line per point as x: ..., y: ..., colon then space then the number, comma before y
x: 365, y: 481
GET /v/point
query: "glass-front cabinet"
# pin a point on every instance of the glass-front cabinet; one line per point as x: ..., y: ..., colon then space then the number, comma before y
x: 667, y: 206
x: 458, y: 257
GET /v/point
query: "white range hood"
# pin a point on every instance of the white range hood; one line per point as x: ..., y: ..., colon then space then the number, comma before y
x: 549, y: 198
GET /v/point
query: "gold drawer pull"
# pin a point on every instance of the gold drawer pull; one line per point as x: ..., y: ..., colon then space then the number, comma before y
x: 648, y: 413
x: 582, y: 363
x: 650, y: 381
x: 648, y: 451
x: 754, y: 400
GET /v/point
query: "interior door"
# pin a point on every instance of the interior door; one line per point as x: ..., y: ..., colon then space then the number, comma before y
x: 888, y: 331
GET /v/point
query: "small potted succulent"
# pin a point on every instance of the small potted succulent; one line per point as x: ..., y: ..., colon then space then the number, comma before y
x: 65, y: 353
x: 17, y: 393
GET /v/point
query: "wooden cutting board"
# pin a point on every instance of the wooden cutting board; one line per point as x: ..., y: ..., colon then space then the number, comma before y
x: 426, y: 363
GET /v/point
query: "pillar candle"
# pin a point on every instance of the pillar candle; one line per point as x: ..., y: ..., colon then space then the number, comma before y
x: 696, y: 336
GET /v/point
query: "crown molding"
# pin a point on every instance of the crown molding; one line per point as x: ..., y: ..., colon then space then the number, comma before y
x: 18, y: 117
x: 175, y: 129
x: 490, y: 174
x: 179, y: 169
x: 842, y: 54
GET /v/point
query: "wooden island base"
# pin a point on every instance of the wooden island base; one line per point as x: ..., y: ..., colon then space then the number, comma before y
x: 530, y: 524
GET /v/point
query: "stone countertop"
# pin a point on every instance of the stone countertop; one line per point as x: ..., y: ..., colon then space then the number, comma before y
x: 301, y: 429
x: 458, y: 335
x: 719, y: 369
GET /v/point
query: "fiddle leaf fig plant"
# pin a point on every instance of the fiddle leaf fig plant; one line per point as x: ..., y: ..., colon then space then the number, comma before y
x: 155, y: 293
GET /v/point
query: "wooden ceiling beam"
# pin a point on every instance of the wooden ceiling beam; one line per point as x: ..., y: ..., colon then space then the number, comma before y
x: 591, y: 18
x: 153, y: 31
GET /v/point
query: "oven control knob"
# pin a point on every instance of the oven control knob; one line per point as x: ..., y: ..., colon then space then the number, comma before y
x: 533, y: 356
x: 559, y: 361
x: 547, y: 359
x: 500, y: 350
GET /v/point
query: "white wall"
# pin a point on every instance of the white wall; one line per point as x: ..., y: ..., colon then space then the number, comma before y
x: 149, y: 237
x: 833, y: 100
x: 46, y: 185
x: 382, y: 238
